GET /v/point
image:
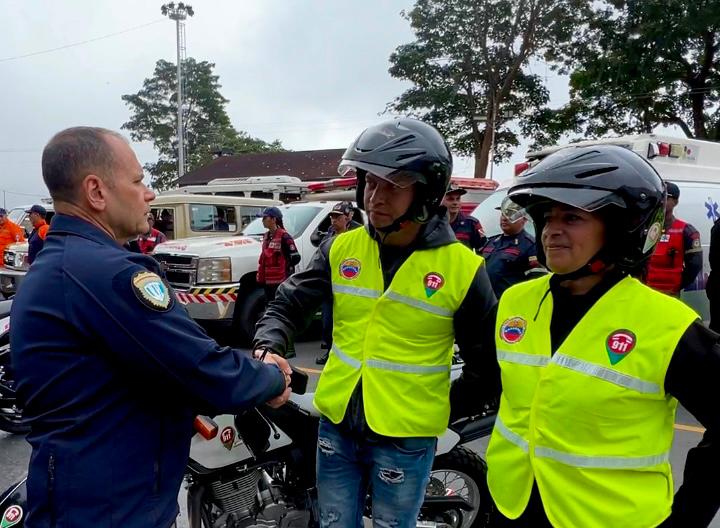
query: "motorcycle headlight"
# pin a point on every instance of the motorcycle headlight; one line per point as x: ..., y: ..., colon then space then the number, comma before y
x: 214, y: 270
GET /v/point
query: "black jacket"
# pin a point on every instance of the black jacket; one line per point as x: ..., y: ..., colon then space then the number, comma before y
x: 300, y: 296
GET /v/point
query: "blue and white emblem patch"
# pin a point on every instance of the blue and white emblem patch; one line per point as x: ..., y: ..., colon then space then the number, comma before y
x: 151, y: 290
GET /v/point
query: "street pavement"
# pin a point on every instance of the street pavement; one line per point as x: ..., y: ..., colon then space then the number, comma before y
x: 14, y: 451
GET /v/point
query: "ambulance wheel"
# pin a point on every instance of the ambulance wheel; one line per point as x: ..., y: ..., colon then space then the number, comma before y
x: 248, y: 313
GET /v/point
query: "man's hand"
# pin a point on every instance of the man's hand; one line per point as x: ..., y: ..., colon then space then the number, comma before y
x: 284, y: 367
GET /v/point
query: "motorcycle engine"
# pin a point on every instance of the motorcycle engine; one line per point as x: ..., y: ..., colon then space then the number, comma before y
x: 253, y: 501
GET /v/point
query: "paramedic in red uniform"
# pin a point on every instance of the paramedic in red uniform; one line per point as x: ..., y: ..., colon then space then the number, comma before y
x: 678, y: 255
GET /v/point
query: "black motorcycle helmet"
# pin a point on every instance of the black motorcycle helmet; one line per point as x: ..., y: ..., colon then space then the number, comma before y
x: 609, y: 180
x: 402, y: 152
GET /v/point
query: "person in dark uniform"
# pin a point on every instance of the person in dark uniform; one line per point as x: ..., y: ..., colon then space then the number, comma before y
x: 712, y: 289
x: 111, y: 369
x: 510, y: 255
x: 677, y: 259
x: 467, y: 229
x: 37, y: 215
x: 279, y: 254
x: 341, y: 220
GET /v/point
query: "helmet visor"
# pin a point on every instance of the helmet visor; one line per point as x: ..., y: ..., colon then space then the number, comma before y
x: 399, y: 178
x: 586, y: 199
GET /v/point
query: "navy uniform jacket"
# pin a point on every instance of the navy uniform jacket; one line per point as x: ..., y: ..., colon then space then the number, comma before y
x: 507, y: 258
x: 468, y: 230
x: 111, y: 385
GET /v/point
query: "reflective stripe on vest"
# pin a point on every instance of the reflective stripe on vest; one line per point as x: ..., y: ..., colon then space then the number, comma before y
x: 592, y: 417
x: 583, y: 461
x: 389, y: 365
x: 398, y: 339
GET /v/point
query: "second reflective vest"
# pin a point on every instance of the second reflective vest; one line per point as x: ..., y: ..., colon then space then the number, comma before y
x: 399, y: 340
x: 591, y: 423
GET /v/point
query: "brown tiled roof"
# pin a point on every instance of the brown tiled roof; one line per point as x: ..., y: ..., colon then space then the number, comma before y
x: 306, y: 165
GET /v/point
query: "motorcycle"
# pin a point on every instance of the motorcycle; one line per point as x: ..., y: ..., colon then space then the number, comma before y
x: 10, y: 410
x: 259, y: 471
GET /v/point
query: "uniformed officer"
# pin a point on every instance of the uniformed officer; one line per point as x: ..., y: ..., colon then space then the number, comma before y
x: 467, y: 229
x: 111, y: 369
x: 341, y: 220
x: 37, y: 215
x: 404, y: 290
x: 510, y: 255
x: 677, y: 259
x: 594, y: 362
x: 712, y: 289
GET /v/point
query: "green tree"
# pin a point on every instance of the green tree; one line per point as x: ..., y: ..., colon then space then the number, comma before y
x: 207, y: 125
x: 470, y: 64
x: 643, y: 63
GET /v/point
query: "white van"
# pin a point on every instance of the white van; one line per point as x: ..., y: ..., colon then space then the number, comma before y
x: 693, y: 165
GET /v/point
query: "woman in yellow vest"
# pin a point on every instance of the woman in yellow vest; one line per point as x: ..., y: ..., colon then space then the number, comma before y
x: 593, y: 362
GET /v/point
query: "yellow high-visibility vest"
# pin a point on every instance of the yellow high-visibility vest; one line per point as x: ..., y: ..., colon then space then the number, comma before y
x: 399, y: 340
x: 591, y: 424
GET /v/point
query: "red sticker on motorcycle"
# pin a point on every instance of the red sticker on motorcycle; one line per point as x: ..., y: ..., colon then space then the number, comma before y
x: 11, y: 517
x: 227, y: 437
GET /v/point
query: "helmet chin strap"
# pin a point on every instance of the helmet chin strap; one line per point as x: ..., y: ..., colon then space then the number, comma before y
x: 595, y: 265
x: 397, y: 225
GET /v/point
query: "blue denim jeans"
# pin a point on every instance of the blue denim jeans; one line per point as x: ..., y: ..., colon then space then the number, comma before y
x: 395, y: 470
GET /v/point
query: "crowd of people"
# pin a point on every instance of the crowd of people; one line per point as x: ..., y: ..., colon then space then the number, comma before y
x: 588, y: 360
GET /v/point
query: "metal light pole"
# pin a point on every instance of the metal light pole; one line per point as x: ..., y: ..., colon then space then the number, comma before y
x: 179, y: 13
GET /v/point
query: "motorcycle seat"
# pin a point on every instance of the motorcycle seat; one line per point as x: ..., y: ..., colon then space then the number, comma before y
x: 305, y: 402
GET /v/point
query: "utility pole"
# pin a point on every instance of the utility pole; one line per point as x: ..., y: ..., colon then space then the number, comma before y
x: 179, y: 13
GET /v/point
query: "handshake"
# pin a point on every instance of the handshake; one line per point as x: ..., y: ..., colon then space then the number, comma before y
x: 264, y: 355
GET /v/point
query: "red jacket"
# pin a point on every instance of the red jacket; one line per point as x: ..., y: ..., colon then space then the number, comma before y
x: 277, y: 263
x: 665, y: 269
x: 147, y: 243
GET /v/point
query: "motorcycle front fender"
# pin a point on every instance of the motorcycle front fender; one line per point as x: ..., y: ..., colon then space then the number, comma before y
x: 446, y: 442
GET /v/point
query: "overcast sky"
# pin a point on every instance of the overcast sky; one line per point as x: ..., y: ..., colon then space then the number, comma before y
x: 311, y: 73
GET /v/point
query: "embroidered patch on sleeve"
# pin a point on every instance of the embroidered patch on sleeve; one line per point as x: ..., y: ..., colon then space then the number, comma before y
x: 151, y: 291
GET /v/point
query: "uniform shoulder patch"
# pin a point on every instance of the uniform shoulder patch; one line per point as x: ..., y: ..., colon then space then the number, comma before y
x: 151, y: 290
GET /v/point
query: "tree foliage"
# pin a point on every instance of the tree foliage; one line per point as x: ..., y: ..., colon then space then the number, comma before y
x: 638, y: 64
x: 471, y: 58
x: 207, y: 125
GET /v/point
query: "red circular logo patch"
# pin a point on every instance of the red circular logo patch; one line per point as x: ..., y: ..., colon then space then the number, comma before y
x: 619, y: 344
x: 350, y: 268
x: 12, y: 516
x: 227, y: 436
x: 433, y: 282
x: 513, y: 329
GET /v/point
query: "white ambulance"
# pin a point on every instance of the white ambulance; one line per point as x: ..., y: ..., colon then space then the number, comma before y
x: 692, y: 164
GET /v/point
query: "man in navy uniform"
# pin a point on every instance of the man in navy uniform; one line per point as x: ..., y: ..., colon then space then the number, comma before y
x: 111, y: 369
x: 510, y: 255
x: 467, y: 228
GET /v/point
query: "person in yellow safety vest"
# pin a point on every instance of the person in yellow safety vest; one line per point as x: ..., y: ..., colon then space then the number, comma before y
x: 594, y: 362
x: 403, y: 290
